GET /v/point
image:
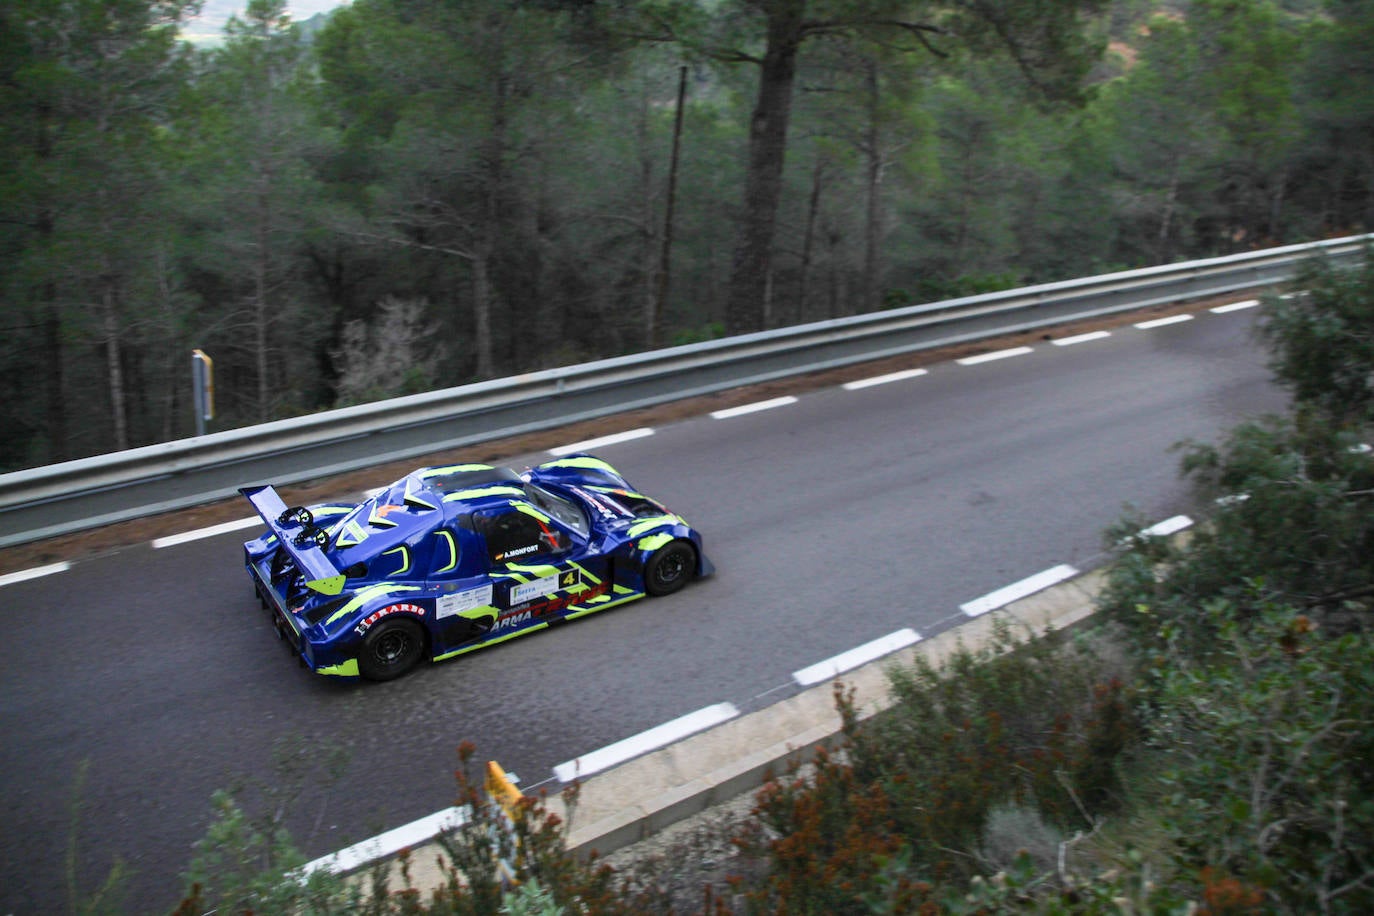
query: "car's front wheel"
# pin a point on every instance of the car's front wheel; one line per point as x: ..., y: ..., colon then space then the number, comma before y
x: 670, y: 568
x: 391, y: 649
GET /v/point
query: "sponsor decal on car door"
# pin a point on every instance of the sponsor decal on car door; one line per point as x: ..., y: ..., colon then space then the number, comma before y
x: 543, y: 593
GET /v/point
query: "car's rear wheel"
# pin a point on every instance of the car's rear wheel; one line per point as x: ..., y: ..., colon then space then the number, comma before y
x: 391, y: 649
x: 670, y: 568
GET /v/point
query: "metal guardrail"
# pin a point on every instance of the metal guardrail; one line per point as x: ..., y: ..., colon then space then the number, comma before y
x: 90, y: 492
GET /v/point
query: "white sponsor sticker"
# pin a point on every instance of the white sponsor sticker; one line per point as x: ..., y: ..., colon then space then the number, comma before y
x: 451, y: 605
x: 536, y: 589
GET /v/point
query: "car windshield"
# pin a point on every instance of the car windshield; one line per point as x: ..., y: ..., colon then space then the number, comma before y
x: 468, y: 477
x: 568, y: 513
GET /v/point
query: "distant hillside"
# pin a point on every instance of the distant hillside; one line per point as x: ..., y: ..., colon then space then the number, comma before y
x: 208, y: 27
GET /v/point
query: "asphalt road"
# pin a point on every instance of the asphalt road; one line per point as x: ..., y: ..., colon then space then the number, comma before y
x: 138, y: 683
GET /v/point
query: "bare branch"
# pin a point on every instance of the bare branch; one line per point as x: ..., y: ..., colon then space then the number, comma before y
x: 410, y: 243
x: 921, y: 31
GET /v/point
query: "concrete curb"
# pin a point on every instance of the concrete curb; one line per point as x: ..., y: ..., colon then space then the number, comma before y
x: 636, y: 799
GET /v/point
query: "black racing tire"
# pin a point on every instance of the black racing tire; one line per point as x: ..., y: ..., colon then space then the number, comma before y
x: 391, y: 649
x: 670, y: 568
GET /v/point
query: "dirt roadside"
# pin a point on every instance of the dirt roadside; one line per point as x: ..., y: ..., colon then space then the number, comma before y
x: 345, y: 486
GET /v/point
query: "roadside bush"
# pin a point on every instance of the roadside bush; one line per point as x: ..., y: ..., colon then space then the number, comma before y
x: 1322, y: 340
x: 1256, y: 694
x: 1256, y: 767
x: 909, y: 796
x: 1292, y: 518
x: 1293, y: 522
x: 1035, y: 721
x: 244, y: 866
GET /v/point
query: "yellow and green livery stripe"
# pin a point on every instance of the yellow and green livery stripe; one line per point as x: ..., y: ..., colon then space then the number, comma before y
x: 585, y: 462
x: 649, y: 524
x: 343, y: 669
x: 451, y: 469
x: 654, y: 541
x: 363, y: 595
x: 479, y: 492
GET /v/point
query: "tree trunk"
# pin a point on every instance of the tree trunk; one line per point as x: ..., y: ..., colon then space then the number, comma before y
x: 749, y: 275
x: 488, y: 232
x: 813, y: 209
x: 45, y: 225
x: 173, y: 353
x: 1276, y: 201
x: 55, y: 395
x: 647, y: 249
x: 108, y: 292
x: 481, y: 314
x: 262, y: 314
x: 1167, y: 219
x: 114, y: 367
x: 659, y: 302
x: 873, y: 180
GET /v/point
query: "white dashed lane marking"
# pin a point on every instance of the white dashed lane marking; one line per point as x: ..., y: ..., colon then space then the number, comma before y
x: 1081, y: 338
x: 214, y: 530
x: 642, y: 743
x: 1169, y: 526
x: 861, y: 655
x: 389, y: 843
x: 1018, y: 590
x: 995, y: 355
x: 588, y: 444
x: 1161, y: 322
x: 1235, y: 306
x: 752, y: 408
x: 36, y: 572
x: 883, y: 379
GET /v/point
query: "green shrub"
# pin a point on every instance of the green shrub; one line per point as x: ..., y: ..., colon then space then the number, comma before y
x: 909, y: 795
x: 1293, y: 522
x: 1260, y: 759
x: 1322, y: 340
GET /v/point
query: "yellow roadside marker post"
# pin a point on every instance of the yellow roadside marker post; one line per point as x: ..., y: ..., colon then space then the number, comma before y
x: 507, y: 796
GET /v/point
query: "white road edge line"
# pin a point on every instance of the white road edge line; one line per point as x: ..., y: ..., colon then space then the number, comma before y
x: 1168, y: 526
x: 883, y: 379
x: 36, y: 572
x: 389, y: 843
x: 644, y: 742
x: 1081, y: 338
x: 589, y: 444
x: 989, y: 357
x: 861, y: 655
x: 1235, y: 306
x: 1018, y: 590
x: 751, y: 408
x: 1161, y: 322
x: 174, y: 539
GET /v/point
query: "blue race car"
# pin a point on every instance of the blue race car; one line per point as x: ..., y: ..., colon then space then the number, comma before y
x: 451, y: 559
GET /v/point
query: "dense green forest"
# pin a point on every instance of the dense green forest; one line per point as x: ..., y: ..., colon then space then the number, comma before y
x: 423, y: 193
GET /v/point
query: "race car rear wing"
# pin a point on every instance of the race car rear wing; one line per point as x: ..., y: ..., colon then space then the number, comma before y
x: 295, y: 529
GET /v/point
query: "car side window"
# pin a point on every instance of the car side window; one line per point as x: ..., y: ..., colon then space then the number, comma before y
x: 513, y: 537
x: 558, y: 507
